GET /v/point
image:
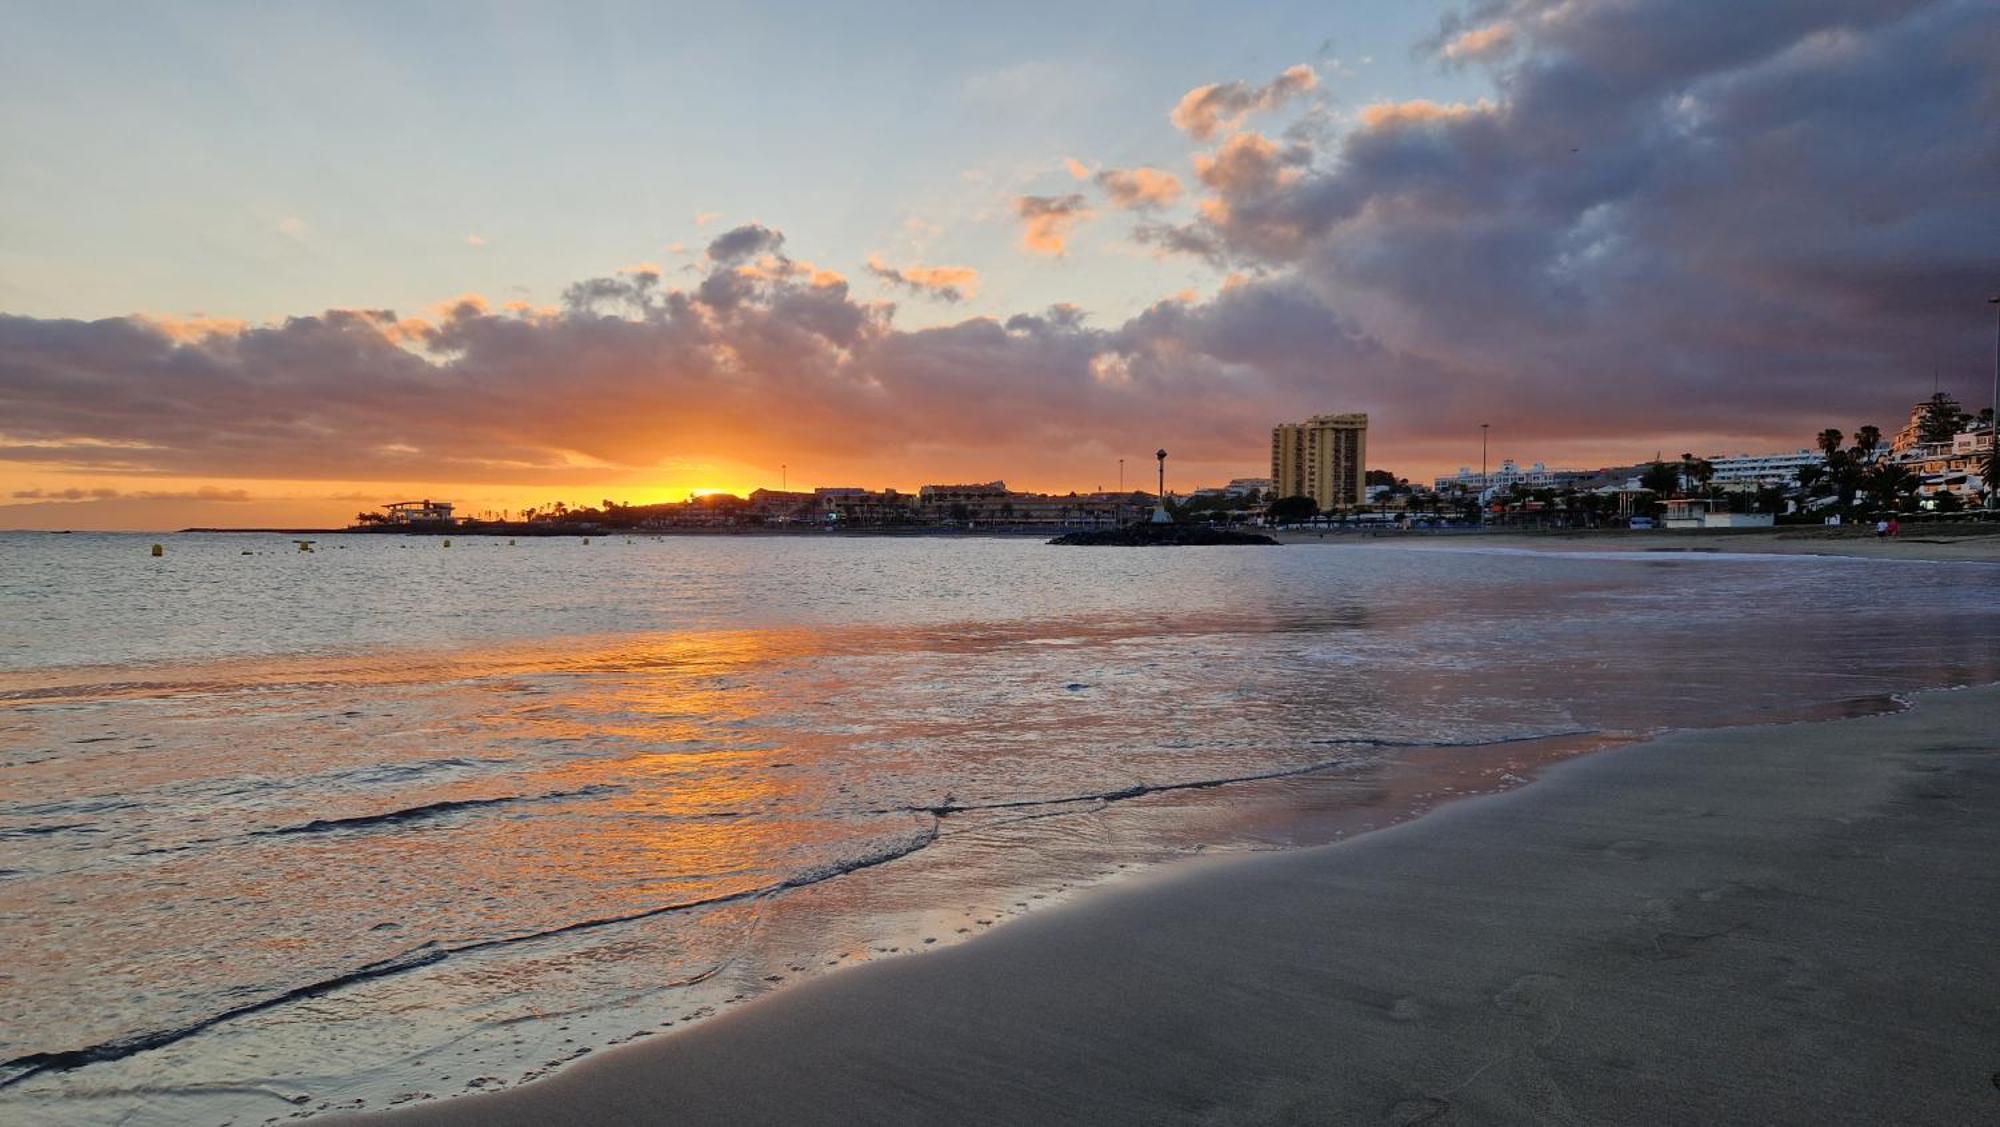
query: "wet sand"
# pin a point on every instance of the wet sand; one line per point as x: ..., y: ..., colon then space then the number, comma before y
x: 1952, y: 543
x: 1755, y: 925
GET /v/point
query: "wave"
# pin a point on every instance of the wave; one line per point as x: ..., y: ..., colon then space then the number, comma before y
x: 427, y: 810
x: 26, y: 1067
x: 41, y: 831
x: 1139, y: 790
x: 23, y: 1068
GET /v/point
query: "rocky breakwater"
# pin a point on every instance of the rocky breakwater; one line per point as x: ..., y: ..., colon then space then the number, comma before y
x: 1161, y: 536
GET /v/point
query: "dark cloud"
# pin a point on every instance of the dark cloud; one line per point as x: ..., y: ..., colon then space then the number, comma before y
x: 741, y: 243
x: 1657, y: 229
x: 1731, y: 225
x: 205, y: 493
x: 751, y: 361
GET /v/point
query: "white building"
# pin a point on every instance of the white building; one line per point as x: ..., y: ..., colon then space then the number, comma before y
x: 1762, y: 469
x: 419, y: 512
x: 1509, y: 475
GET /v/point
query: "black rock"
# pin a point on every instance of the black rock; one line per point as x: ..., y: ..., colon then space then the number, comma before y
x: 1161, y: 536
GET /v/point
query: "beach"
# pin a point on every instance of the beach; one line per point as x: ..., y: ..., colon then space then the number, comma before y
x: 1968, y: 543
x: 1780, y: 923
x: 398, y: 825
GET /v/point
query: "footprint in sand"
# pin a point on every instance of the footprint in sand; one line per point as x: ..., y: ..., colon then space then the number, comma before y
x: 1531, y: 995
x: 1629, y: 850
x: 1413, y: 1113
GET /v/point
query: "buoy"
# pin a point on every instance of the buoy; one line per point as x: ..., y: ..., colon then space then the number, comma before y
x: 305, y: 545
x: 447, y: 543
x: 159, y: 549
x: 586, y: 540
x: 510, y: 543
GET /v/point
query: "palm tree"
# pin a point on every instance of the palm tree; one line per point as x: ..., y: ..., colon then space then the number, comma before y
x: 1889, y: 484
x: 1829, y: 443
x: 1866, y: 441
x: 1989, y: 470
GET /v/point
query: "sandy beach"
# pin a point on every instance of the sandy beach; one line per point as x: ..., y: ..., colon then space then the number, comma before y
x: 1969, y: 543
x: 1755, y: 925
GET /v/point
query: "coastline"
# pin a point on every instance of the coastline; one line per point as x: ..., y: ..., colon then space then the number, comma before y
x: 1966, y: 544
x: 1776, y: 923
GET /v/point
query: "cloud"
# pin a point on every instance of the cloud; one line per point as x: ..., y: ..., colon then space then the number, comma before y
x: 205, y: 493
x: 292, y: 227
x: 1076, y: 168
x: 945, y: 283
x: 629, y: 371
x: 1139, y: 189
x: 474, y: 241
x: 1049, y: 220
x: 1749, y: 223
x: 1205, y: 112
x: 747, y: 241
x: 1382, y: 116
x: 704, y: 218
x: 1655, y: 229
x: 1480, y: 44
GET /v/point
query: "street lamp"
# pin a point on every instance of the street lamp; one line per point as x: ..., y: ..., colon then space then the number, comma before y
x: 1482, y: 471
x: 1993, y: 433
x: 1160, y: 515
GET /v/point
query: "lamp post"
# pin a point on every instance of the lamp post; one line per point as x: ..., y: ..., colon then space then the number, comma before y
x: 1482, y: 471
x: 1121, y: 475
x: 784, y: 478
x: 1993, y: 433
x: 1160, y: 515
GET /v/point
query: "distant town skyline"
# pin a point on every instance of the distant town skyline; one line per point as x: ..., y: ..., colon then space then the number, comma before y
x: 270, y: 265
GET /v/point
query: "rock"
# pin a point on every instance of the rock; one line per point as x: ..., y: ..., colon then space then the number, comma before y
x: 1161, y: 536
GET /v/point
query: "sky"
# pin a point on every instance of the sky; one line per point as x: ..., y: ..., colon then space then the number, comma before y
x: 277, y: 263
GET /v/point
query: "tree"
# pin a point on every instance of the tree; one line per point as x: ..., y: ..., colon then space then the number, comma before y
x: 1379, y: 477
x: 1890, y: 485
x: 1989, y: 470
x: 370, y: 518
x: 1940, y: 420
x: 1660, y: 478
x: 1292, y: 510
x: 1866, y: 441
x: 1829, y: 443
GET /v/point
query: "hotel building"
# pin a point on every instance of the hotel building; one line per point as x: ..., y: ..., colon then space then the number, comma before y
x: 1324, y: 458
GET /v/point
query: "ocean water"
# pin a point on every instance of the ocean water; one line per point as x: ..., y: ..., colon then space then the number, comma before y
x: 282, y: 833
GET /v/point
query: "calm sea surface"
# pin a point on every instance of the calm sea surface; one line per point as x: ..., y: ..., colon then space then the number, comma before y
x: 283, y: 832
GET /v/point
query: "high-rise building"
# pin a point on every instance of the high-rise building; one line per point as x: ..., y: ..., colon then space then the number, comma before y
x: 1324, y: 458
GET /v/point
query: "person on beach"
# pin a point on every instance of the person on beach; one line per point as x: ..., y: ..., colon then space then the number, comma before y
x: 1881, y: 529
x: 1895, y: 528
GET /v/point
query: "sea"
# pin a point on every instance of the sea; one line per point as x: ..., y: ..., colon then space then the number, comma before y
x: 406, y: 818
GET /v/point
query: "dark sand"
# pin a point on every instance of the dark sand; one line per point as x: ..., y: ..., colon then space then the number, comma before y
x: 1963, y: 543
x: 1795, y: 924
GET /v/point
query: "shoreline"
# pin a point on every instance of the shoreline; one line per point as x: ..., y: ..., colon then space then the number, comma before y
x: 1959, y: 542
x: 1954, y: 544
x: 1665, y: 924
